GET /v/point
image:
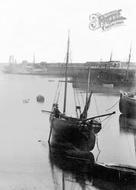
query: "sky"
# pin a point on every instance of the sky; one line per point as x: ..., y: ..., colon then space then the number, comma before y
x: 40, y: 27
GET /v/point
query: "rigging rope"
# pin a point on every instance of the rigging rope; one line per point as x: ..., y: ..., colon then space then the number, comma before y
x: 112, y: 106
x: 99, y: 151
x: 75, y: 97
x: 78, y: 99
x: 83, y: 101
x: 77, y: 81
x: 75, y: 101
x: 57, y: 94
x: 96, y: 107
x: 106, y: 118
x: 107, y: 121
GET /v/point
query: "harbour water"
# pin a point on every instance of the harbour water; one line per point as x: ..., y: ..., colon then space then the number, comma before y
x: 24, y: 152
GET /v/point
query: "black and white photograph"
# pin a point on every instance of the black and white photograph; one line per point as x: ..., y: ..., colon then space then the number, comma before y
x: 67, y: 95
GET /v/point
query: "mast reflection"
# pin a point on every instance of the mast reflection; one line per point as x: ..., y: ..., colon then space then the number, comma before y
x: 74, y: 169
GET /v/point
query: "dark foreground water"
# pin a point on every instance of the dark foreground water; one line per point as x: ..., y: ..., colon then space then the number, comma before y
x: 25, y: 162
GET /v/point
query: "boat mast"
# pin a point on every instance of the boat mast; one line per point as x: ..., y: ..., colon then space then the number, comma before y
x: 88, y: 85
x: 88, y: 98
x: 111, y: 57
x: 11, y: 59
x: 129, y: 58
x: 66, y: 76
x: 88, y: 93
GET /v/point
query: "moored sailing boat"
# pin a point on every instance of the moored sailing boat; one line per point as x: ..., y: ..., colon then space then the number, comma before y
x: 79, y: 131
x: 127, y: 103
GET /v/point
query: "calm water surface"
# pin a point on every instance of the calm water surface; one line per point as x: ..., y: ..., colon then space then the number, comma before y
x: 24, y: 161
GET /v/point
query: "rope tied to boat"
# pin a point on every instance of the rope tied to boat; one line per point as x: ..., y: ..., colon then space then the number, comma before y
x: 113, y: 105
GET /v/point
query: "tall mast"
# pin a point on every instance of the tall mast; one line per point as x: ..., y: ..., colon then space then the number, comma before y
x: 66, y: 76
x: 11, y: 59
x: 88, y: 85
x: 88, y: 98
x: 88, y: 93
x: 111, y: 56
x: 129, y: 58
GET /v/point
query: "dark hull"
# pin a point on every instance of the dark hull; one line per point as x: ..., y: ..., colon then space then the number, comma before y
x: 64, y: 131
x: 84, y: 170
x: 127, y: 125
x: 127, y: 105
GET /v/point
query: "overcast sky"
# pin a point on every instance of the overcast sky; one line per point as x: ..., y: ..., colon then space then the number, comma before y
x: 41, y: 27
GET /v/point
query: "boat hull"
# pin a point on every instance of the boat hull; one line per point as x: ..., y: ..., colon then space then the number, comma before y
x: 127, y: 125
x: 127, y: 105
x: 82, y: 168
x: 64, y: 131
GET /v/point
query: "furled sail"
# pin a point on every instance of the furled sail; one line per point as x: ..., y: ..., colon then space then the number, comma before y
x: 84, y: 113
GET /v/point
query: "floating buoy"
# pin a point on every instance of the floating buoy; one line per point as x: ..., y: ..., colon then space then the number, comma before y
x: 40, y: 98
x: 26, y: 101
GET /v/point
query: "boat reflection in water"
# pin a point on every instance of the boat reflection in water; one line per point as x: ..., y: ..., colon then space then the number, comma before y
x: 127, y: 124
x: 70, y: 167
x: 75, y: 169
x: 127, y: 104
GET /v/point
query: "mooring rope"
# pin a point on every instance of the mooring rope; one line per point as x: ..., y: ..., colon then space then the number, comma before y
x: 97, y: 143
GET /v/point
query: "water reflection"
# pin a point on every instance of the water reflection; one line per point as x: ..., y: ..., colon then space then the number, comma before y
x: 75, y: 170
x: 128, y: 130
x: 74, y: 166
x: 22, y: 125
x: 72, y: 170
x: 127, y: 125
